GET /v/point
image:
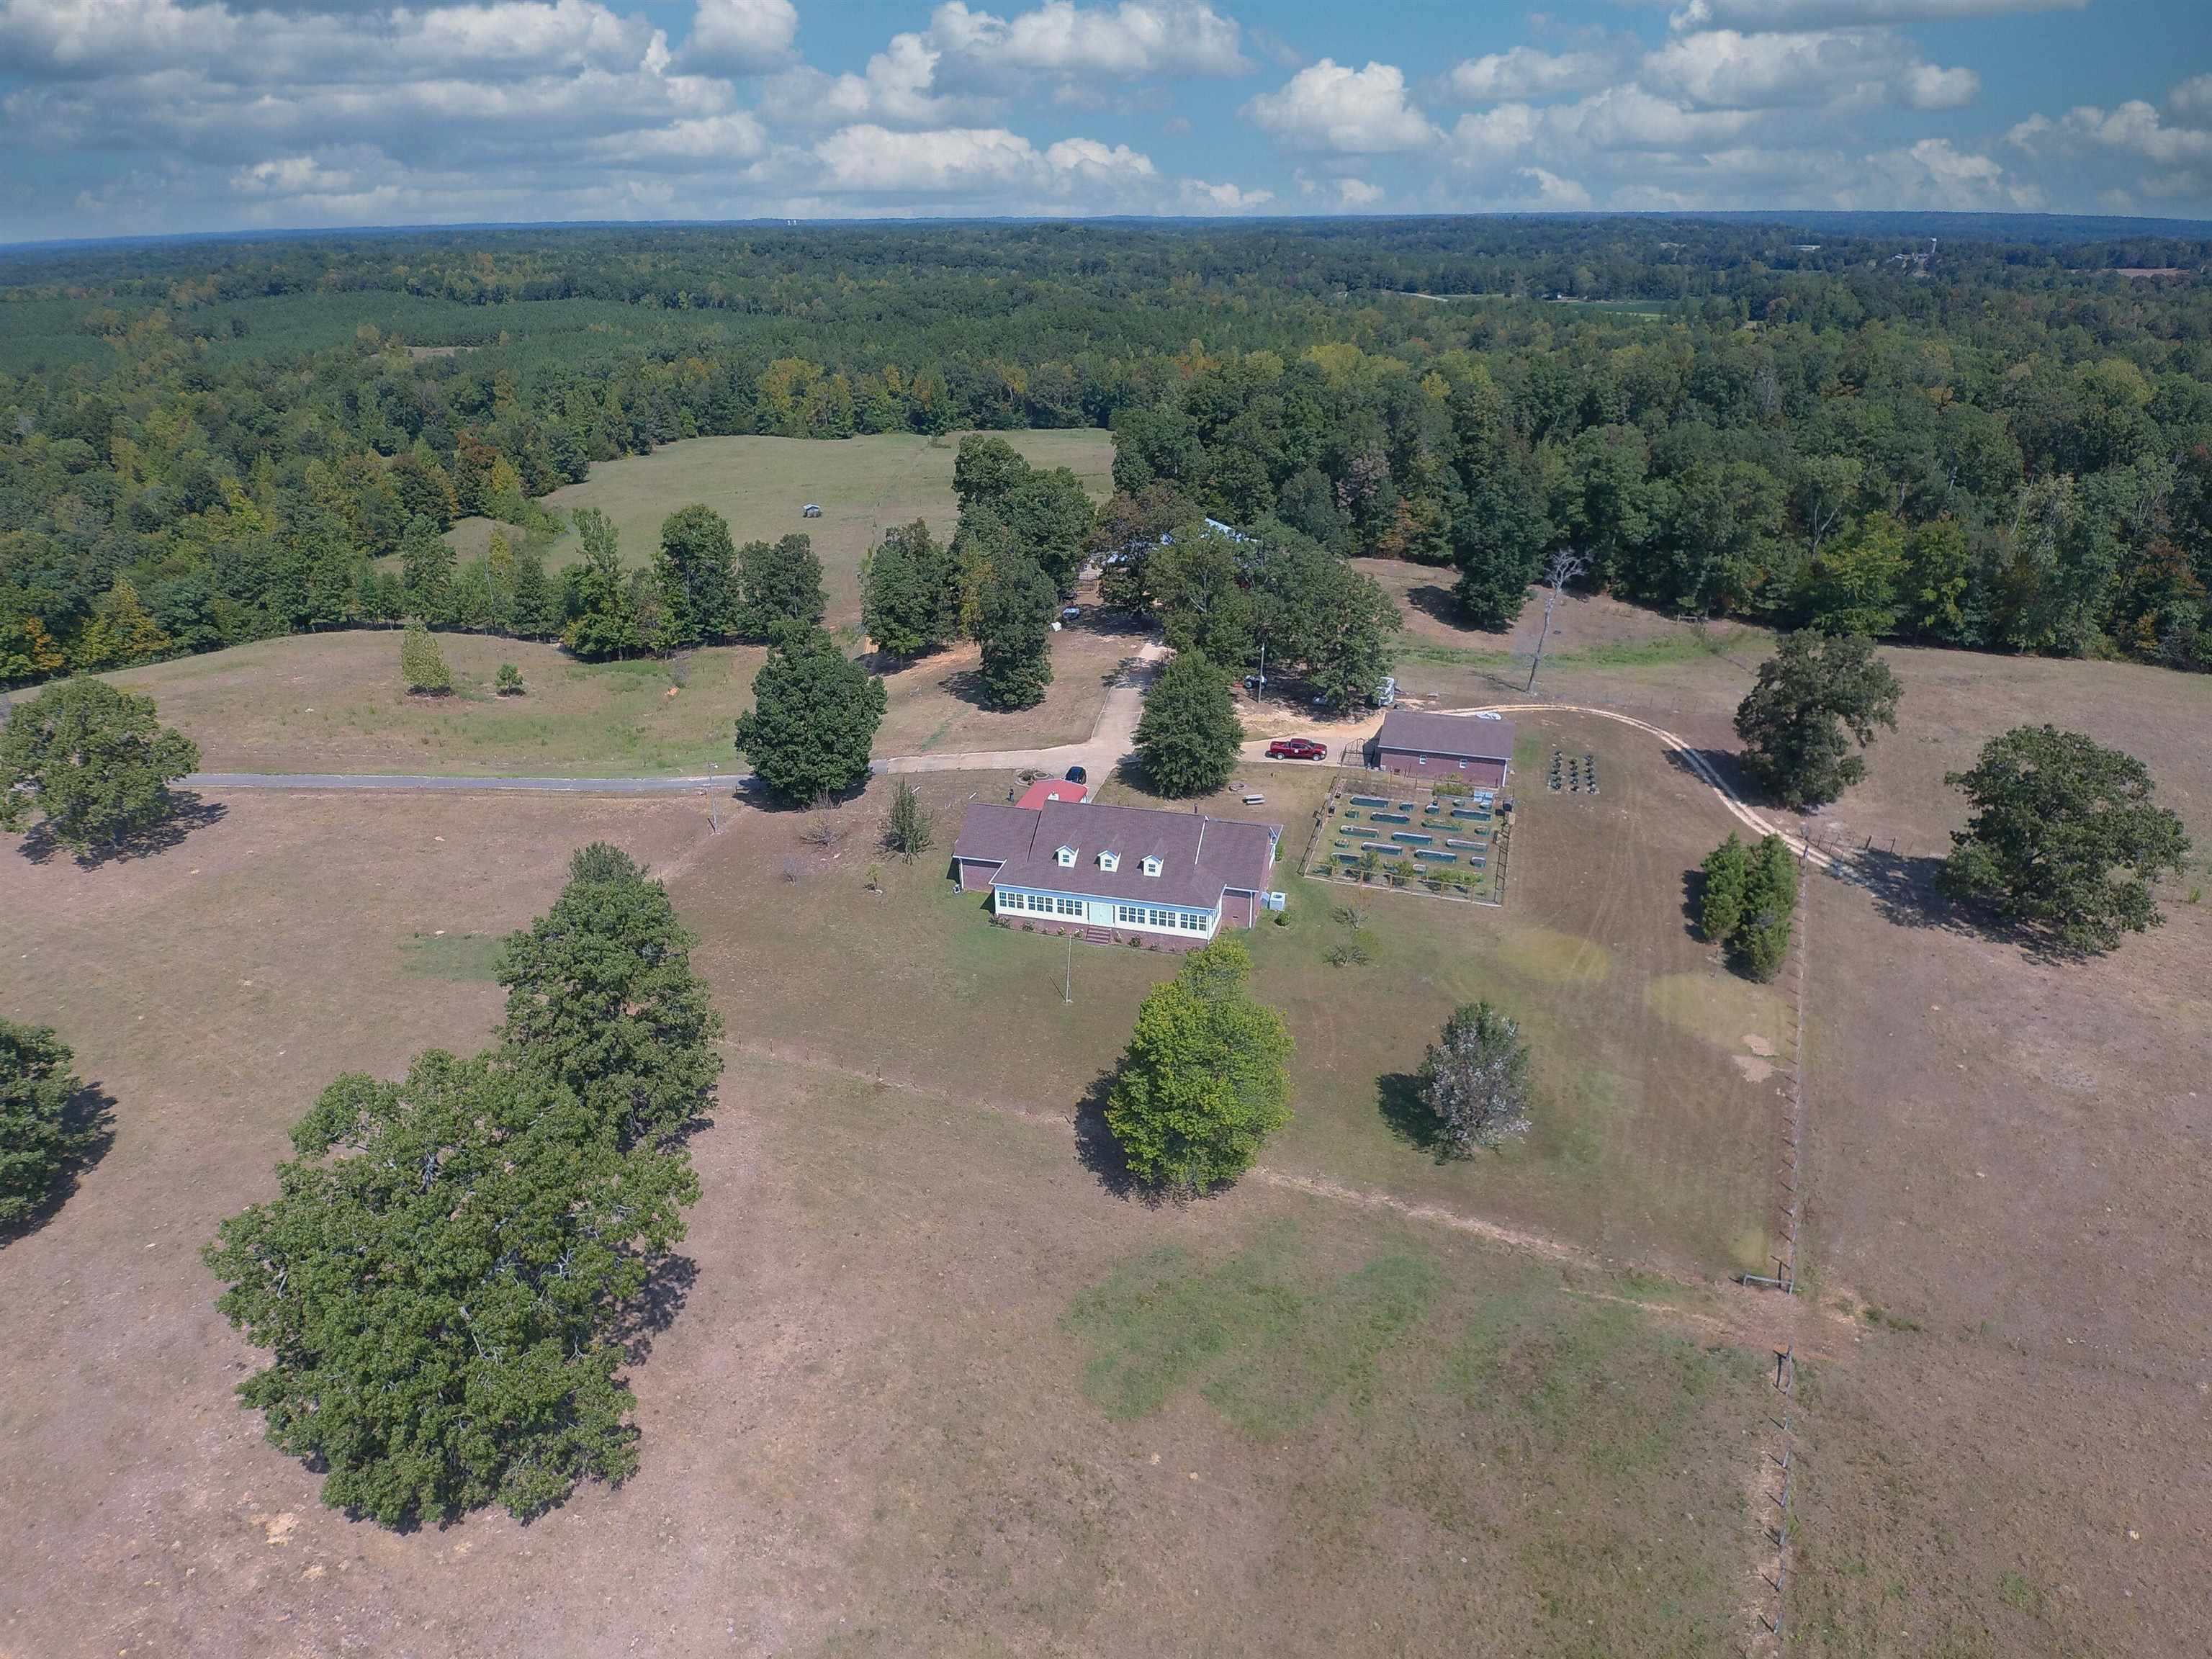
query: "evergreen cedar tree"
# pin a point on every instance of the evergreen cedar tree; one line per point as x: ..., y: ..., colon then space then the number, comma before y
x: 909, y: 592
x: 1475, y: 1081
x: 37, y: 1137
x: 813, y: 720
x: 909, y: 830
x: 2052, y: 494
x: 1747, y: 901
x: 1014, y: 626
x: 444, y: 1281
x: 1187, y: 737
x: 94, y: 762
x: 2064, y: 839
x: 1205, y: 1077
x: 508, y: 683
x: 422, y: 665
x: 1814, y: 698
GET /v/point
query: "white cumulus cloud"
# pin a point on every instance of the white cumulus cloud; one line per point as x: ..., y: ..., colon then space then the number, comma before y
x: 1330, y: 105
x: 1526, y: 72
x: 741, y: 35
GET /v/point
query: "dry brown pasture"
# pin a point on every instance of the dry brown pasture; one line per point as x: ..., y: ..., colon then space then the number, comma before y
x: 333, y: 702
x: 2008, y: 1187
x: 908, y: 1278
x: 935, y: 1388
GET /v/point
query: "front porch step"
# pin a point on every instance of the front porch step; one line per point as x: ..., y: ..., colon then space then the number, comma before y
x: 1098, y: 935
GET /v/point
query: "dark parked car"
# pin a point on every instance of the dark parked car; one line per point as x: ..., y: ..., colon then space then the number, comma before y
x: 1297, y: 749
x: 1077, y: 774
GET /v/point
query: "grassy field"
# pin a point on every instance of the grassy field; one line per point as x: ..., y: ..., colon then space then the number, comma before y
x: 863, y: 485
x: 1655, y: 1131
x: 934, y: 1388
x: 938, y: 1390
x: 331, y: 702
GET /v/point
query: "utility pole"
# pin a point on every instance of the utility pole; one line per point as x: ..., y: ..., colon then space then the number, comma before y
x: 1565, y: 565
x: 1067, y: 982
x: 714, y: 789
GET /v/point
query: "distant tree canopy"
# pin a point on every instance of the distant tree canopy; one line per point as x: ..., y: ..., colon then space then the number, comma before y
x: 1814, y: 698
x: 2008, y: 446
x: 443, y: 1282
x: 94, y: 762
x: 1188, y: 735
x: 2064, y: 838
x: 813, y: 719
x: 1206, y: 1079
x: 37, y: 1137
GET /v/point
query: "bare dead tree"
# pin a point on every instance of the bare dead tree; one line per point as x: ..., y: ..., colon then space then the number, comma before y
x: 1564, y: 567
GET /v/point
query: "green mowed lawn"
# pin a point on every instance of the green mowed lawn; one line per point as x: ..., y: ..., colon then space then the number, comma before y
x: 1657, y: 1109
x: 863, y: 485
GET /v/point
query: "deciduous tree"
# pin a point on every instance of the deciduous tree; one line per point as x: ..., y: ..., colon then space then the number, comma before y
x: 1813, y: 699
x: 1476, y: 1080
x: 779, y: 583
x: 1187, y: 737
x: 1014, y: 628
x: 909, y: 592
x: 93, y: 760
x: 601, y: 995
x: 36, y: 1137
x: 813, y: 719
x: 421, y: 665
x: 694, y: 575
x: 439, y: 1287
x: 2064, y: 838
x: 1205, y: 1077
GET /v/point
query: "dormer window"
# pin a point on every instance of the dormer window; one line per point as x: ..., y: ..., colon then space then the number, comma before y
x: 1109, y: 861
x: 1151, y: 866
x: 1066, y: 857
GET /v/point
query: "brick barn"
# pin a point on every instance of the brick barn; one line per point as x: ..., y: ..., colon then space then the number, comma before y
x: 1113, y: 873
x: 1474, y: 752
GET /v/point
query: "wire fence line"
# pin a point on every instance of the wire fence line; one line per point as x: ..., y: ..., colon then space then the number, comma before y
x: 1777, y: 1470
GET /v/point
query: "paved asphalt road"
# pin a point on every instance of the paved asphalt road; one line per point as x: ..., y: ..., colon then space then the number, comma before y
x: 371, y: 781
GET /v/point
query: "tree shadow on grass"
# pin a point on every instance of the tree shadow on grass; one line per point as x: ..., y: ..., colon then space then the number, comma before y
x: 1904, y: 894
x: 1437, y: 604
x: 668, y: 1282
x: 189, y: 812
x: 88, y: 1120
x: 1728, y: 766
x: 1398, y: 1097
x: 1098, y: 1151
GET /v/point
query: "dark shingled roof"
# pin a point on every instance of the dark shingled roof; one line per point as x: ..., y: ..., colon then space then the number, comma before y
x: 1199, y: 856
x: 1459, y: 736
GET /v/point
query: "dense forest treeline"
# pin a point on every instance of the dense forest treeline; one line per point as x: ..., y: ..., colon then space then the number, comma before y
x: 2001, y: 439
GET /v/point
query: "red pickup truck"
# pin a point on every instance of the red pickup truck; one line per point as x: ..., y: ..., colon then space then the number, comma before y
x: 1297, y: 749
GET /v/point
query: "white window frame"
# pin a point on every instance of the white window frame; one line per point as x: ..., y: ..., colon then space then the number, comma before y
x: 1066, y: 856
x: 1109, y: 862
x: 1151, y: 866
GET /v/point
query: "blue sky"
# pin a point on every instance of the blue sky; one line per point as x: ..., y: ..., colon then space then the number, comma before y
x: 130, y: 117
